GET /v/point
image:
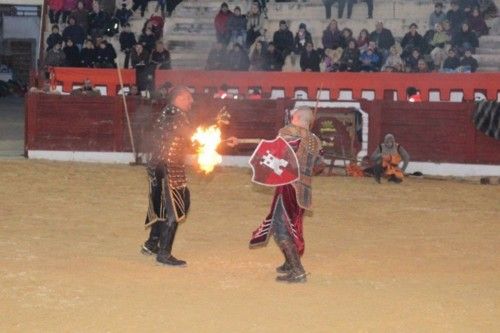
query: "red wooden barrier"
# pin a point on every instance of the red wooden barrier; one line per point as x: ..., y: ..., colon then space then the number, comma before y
x: 487, y: 83
x: 69, y: 76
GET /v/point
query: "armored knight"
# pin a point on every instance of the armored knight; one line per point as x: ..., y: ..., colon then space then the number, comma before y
x: 169, y: 198
x: 285, y: 220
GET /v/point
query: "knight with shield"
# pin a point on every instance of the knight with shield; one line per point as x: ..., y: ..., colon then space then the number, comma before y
x: 288, y: 163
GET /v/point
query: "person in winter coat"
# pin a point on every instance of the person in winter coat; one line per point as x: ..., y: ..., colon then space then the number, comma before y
x: 160, y: 56
x: 127, y: 42
x: 411, y: 61
x: 148, y: 40
x: 55, y: 10
x: 220, y: 23
x: 257, y: 57
x: 217, y: 58
x: 87, y: 55
x: 98, y: 20
x: 363, y: 40
x: 302, y: 37
x: 68, y: 7
x: 81, y: 16
x: 309, y: 59
x: 139, y: 56
x: 350, y: 58
x: 412, y: 40
x: 283, y: 39
x: 237, y: 27
x: 468, y: 63
x: 456, y: 17
x: 273, y: 59
x: 452, y: 62
x: 477, y: 24
x: 123, y: 14
x: 369, y: 60
x: 383, y: 38
x: 238, y: 59
x: 255, y: 24
x: 332, y: 37
x: 394, y: 61
x: 465, y: 40
x: 54, y: 38
x: 55, y: 57
x: 437, y: 16
x: 72, y: 54
x: 74, y: 32
x: 105, y: 55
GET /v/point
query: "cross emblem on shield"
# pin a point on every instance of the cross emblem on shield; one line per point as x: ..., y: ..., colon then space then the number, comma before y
x: 274, y: 163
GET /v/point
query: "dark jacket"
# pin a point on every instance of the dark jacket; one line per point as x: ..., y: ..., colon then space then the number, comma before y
x: 105, y: 57
x: 273, y: 61
x: 456, y: 19
x: 217, y: 60
x: 82, y: 18
x: 75, y: 33
x: 72, y: 56
x: 99, y: 20
x: 299, y: 44
x: 55, y: 58
x: 238, y: 61
x: 53, y: 39
x: 413, y: 41
x: 332, y: 40
x: 451, y: 63
x: 127, y: 40
x: 350, y: 60
x: 139, y: 59
x: 87, y: 57
x: 148, y: 41
x: 478, y: 25
x: 161, y: 59
x: 465, y: 37
x: 283, y: 40
x: 310, y: 60
x: 469, y: 62
x: 123, y: 15
x: 237, y: 23
x: 384, y: 39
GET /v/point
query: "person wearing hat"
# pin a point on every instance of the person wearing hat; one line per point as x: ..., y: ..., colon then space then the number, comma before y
x: 302, y: 37
x: 283, y: 39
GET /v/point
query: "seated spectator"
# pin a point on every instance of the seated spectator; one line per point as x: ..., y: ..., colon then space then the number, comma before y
x: 255, y: 23
x: 139, y: 56
x: 68, y: 7
x: 437, y: 16
x: 55, y: 57
x: 156, y: 23
x: 411, y: 40
x: 160, y: 56
x: 369, y: 60
x: 488, y: 9
x: 309, y: 59
x: 54, y: 38
x: 273, y: 59
x: 87, y: 55
x: 302, y: 37
x: 123, y: 14
x: 74, y: 32
x: 238, y: 59
x: 363, y: 40
x: 148, y: 40
x: 86, y: 90
x: 292, y: 63
x: 81, y: 16
x: 98, y: 20
x: 217, y: 58
x: 394, y: 61
x: 346, y: 37
x: 477, y: 24
x: 220, y: 23
x: 468, y: 64
x: 72, y: 54
x: 331, y: 61
x: 105, y: 55
x: 350, y: 58
x: 237, y: 27
x: 55, y: 10
x: 447, y: 28
x: 455, y: 16
x: 383, y: 38
x: 283, y: 39
x: 332, y: 37
x: 127, y: 42
x: 465, y: 40
x: 411, y: 62
x: 452, y: 62
x: 438, y: 42
x: 257, y: 56
x: 422, y: 66
x: 142, y: 4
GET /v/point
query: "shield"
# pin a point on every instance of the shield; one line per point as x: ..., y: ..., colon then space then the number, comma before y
x: 274, y: 163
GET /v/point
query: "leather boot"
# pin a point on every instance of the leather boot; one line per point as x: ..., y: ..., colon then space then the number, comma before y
x: 167, y: 236
x: 285, y: 268
x: 378, y: 171
x: 297, y: 274
x: 150, y: 246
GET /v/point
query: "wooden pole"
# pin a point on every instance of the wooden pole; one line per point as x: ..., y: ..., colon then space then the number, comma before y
x: 125, y: 107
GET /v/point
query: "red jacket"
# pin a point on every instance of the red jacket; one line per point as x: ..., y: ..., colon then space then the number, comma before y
x: 221, y: 21
x: 56, y: 5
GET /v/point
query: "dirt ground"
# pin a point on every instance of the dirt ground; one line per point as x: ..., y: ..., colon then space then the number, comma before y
x: 420, y: 257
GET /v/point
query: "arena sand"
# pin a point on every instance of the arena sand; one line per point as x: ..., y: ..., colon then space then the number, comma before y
x: 420, y: 257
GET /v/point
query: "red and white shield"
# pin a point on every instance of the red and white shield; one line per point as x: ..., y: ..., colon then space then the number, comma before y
x: 274, y: 163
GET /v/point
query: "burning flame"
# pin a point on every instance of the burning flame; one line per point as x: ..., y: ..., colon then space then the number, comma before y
x: 208, y: 139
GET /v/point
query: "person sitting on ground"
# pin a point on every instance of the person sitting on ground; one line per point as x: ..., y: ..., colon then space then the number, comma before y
x: 87, y: 55
x: 477, y: 24
x: 302, y: 37
x: 124, y: 14
x: 332, y: 37
x: 86, y: 90
x: 273, y: 59
x: 452, y: 62
x: 468, y: 64
x: 310, y: 59
x: 237, y: 27
x: 54, y: 38
x: 283, y: 39
x: 350, y: 58
x: 217, y: 58
x: 220, y: 23
x: 387, y: 158
x: 72, y: 54
x: 160, y: 56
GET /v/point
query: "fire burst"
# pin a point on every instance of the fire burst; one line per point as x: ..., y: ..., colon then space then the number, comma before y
x: 208, y: 140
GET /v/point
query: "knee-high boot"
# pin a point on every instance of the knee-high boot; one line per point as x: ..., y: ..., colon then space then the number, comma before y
x: 167, y: 235
x: 297, y: 273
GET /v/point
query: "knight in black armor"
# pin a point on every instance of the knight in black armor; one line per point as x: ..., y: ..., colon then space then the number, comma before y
x: 168, y: 192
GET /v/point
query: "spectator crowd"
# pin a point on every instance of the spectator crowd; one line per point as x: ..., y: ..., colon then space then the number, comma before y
x: 242, y: 42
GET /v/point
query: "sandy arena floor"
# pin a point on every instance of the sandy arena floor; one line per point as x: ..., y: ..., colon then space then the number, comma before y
x: 421, y: 257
